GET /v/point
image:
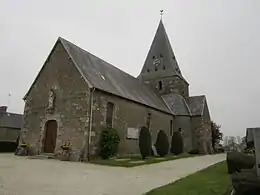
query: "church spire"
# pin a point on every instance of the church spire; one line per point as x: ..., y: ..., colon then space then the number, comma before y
x: 160, y: 61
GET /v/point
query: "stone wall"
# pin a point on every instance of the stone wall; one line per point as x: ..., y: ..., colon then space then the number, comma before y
x: 172, y: 84
x: 202, y: 134
x: 207, y: 128
x: 71, y: 105
x: 198, y: 135
x: 184, y: 122
x: 9, y: 134
x: 126, y: 114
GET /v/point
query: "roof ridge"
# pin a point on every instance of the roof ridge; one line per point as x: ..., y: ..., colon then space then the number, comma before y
x: 113, y: 75
x: 73, y: 60
x: 173, y: 99
x: 187, y: 106
x: 12, y: 113
x: 204, y: 102
x: 197, y: 96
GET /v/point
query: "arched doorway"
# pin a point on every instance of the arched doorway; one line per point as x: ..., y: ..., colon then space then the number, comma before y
x: 50, y: 136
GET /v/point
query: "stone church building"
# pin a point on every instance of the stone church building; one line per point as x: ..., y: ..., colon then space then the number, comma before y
x: 76, y: 94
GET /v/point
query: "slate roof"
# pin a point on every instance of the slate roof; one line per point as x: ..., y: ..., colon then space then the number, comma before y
x: 160, y: 48
x: 11, y: 120
x: 177, y: 104
x: 108, y: 78
x: 196, y: 104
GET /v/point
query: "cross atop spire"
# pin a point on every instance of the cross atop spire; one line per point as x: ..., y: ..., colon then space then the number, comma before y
x: 161, y: 13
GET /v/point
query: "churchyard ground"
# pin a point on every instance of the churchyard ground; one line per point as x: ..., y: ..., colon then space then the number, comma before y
x: 136, y: 160
x: 24, y: 176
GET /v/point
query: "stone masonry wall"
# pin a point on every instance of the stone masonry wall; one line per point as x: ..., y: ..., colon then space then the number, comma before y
x: 202, y: 134
x: 170, y: 85
x: 71, y: 106
x: 197, y: 126
x: 207, y: 127
x: 126, y: 114
x: 184, y: 122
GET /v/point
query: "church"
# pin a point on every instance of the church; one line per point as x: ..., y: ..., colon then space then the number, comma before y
x: 76, y: 94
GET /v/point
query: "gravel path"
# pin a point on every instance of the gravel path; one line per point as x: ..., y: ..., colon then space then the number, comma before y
x: 23, y: 176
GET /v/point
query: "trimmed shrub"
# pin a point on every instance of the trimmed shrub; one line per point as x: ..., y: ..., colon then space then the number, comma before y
x: 177, y: 143
x: 237, y: 161
x: 194, y: 151
x: 145, y: 142
x: 162, y: 144
x: 109, y: 142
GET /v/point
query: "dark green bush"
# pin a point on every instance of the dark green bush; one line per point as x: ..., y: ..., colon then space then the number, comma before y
x: 109, y: 142
x: 237, y: 161
x: 162, y: 144
x: 145, y: 142
x: 177, y: 143
x: 194, y: 151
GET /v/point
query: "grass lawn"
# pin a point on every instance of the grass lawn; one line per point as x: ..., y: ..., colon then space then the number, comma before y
x: 137, y: 161
x: 211, y: 181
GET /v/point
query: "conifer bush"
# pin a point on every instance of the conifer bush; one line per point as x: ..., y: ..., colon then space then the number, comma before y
x: 177, y: 143
x: 109, y: 142
x: 162, y: 144
x: 145, y: 142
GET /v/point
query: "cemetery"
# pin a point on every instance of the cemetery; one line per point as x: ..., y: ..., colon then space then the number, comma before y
x: 244, y: 168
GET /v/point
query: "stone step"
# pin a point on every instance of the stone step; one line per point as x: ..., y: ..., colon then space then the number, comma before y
x: 43, y: 156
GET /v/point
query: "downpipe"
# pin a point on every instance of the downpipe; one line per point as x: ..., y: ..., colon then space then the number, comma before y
x: 90, y: 120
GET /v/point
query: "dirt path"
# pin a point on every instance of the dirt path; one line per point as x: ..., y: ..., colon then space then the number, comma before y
x: 22, y: 176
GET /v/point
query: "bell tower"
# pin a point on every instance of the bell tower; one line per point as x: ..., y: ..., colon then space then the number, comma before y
x: 161, y: 70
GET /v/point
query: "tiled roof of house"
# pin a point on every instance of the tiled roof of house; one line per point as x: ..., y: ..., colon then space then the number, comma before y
x: 11, y: 120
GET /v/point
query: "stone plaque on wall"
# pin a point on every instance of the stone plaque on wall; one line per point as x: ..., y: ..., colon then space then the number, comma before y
x: 132, y: 133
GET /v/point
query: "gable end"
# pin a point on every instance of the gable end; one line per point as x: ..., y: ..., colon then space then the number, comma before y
x: 46, y: 61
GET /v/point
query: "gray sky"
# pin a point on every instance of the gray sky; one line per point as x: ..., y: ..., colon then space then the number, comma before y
x: 215, y: 42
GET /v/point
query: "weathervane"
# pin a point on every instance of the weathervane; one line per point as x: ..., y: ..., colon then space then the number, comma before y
x: 161, y: 13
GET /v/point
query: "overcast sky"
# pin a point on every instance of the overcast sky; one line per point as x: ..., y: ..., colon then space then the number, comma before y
x: 215, y: 42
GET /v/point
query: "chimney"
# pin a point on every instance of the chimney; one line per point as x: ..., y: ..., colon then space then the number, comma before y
x: 3, y: 109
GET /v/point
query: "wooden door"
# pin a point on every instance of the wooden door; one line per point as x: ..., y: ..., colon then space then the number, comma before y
x: 50, y: 136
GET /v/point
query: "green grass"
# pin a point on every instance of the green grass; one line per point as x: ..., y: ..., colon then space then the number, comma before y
x: 211, y: 181
x: 150, y: 160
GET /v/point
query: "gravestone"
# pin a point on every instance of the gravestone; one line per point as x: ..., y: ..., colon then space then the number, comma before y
x: 154, y: 150
x: 256, y: 135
